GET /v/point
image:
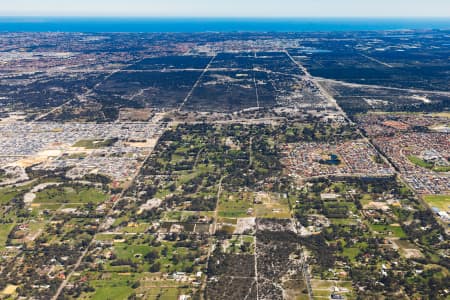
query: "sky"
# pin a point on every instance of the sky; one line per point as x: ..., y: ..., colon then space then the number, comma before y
x: 228, y: 8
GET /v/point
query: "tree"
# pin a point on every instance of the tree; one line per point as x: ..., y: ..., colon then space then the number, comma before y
x: 156, y: 267
x: 151, y: 256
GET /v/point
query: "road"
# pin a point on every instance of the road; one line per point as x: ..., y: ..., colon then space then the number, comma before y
x: 256, y: 90
x: 84, y: 253
x: 377, y: 61
x: 82, y: 97
x: 359, y: 85
x: 196, y: 84
x: 324, y: 92
x: 212, y: 232
x: 374, y: 86
x: 246, y: 121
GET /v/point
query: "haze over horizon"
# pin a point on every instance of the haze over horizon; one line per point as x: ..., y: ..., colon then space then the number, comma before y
x: 231, y: 8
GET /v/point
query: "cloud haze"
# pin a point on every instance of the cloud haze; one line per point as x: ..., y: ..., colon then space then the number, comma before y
x: 228, y: 8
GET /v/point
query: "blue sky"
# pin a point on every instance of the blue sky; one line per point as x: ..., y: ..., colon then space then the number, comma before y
x: 228, y: 8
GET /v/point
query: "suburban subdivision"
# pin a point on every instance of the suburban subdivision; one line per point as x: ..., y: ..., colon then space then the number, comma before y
x: 253, y: 166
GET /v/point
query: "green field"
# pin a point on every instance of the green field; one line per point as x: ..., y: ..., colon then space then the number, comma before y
x: 138, y: 228
x: 234, y: 209
x: 7, y: 194
x: 421, y: 163
x: 95, y: 144
x: 75, y: 194
x: 440, y: 201
x: 124, y: 251
x: 397, y: 231
x: 442, y: 169
x: 343, y: 221
x: 351, y: 253
x: 235, y: 205
x: 405, y: 244
x: 136, y: 253
x: 111, y: 290
x: 5, y: 229
x: 154, y: 289
x: 274, y: 210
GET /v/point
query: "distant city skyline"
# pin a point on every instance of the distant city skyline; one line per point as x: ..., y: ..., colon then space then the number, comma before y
x: 229, y: 8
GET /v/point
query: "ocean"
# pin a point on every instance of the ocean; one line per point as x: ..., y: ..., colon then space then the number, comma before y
x: 109, y: 24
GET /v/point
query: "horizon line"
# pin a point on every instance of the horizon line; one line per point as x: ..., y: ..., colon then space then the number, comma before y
x: 224, y: 17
